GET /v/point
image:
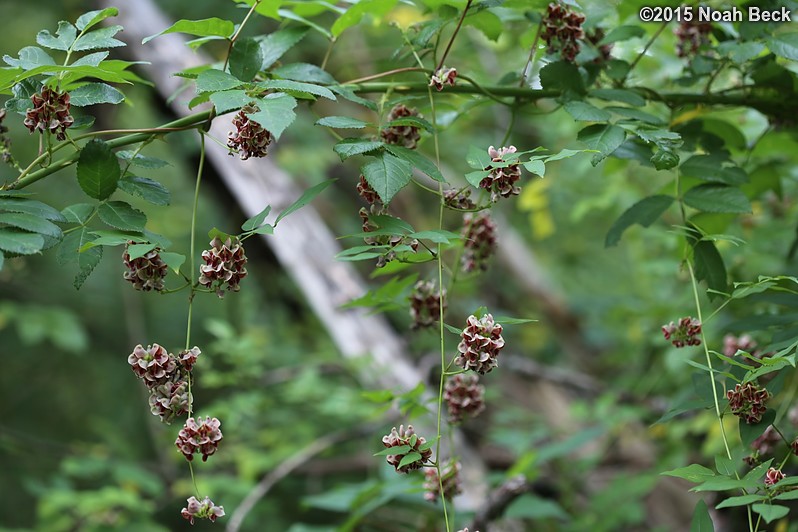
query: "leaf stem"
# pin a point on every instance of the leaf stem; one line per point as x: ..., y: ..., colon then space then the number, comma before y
x: 451, y: 39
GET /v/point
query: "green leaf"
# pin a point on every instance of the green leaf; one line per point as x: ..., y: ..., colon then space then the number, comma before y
x: 29, y: 206
x: 173, y: 260
x: 664, y: 159
x: 506, y: 320
x: 388, y: 296
x: 297, y: 86
x: 66, y: 34
x: 740, y: 500
x: 636, y: 114
x: 348, y: 94
x: 771, y: 512
x: 145, y: 188
x: 399, y: 449
x: 228, y: 100
x: 306, y: 197
x: 751, y: 431
x: 710, y: 168
x: 585, y: 112
x: 121, y: 215
x: 438, y: 236
x: 78, y: 213
x: 387, y: 175
x: 30, y: 222
x: 709, y: 266
x: 20, y: 242
x: 605, y: 139
x: 535, y: 166
x: 246, y: 58
x: 701, y: 522
x: 213, y: 80
x: 355, y: 14
x: 256, y: 220
x: 486, y: 22
x: 622, y: 33
x: 355, y: 146
x: 423, y: 164
x: 717, y: 198
x: 201, y: 28
x: 290, y: 15
x: 265, y: 229
x: 30, y: 57
x: 693, y: 473
x: 98, y: 170
x: 95, y: 93
x: 788, y: 496
x: 304, y: 72
x: 139, y: 250
x: 341, y: 122
x: 274, y: 45
x: 478, y: 158
x: 87, y: 20
x: 141, y: 160
x: 740, y: 52
x: 275, y: 113
x: 413, y: 121
x: 102, y: 38
x: 784, y: 45
x: 562, y: 75
x: 112, y: 238
x: 409, y: 458
x: 87, y: 260
x: 619, y: 95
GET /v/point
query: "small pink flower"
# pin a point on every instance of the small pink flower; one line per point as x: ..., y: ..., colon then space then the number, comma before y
x: 443, y: 76
x: 202, y: 437
x: 773, y: 476
x: 686, y: 332
x: 202, y: 510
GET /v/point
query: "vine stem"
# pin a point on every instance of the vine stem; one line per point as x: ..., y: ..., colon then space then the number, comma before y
x: 532, y: 52
x: 451, y: 39
x: 645, y: 49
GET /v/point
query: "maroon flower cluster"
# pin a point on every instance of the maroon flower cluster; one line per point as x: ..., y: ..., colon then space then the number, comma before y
x: 401, y: 135
x: 458, y: 199
x: 464, y: 396
x: 604, y: 50
x: 204, y: 509
x: 691, y: 37
x: 146, y: 272
x: 748, y: 402
x: 450, y: 479
x: 199, y: 437
x: 166, y: 378
x: 425, y: 304
x: 773, y: 476
x: 684, y: 333
x: 562, y: 30
x: 224, y: 264
x: 503, y: 174
x: 479, y: 241
x: 732, y: 344
x: 250, y: 138
x: 50, y: 113
x: 368, y: 194
x: 400, y: 438
x: 480, y: 345
x: 443, y: 76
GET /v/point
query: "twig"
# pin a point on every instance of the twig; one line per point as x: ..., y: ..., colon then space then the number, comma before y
x: 451, y: 40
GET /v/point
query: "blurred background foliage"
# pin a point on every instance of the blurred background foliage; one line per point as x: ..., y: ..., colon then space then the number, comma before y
x: 80, y: 451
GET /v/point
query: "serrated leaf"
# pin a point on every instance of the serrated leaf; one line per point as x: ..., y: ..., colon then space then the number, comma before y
x: 145, y: 188
x: 274, y: 45
x: 297, y: 86
x: 701, y: 522
x: 66, y: 34
x: 91, y: 60
x: 256, y: 220
x: 418, y: 161
x: 213, y: 80
x: 619, y: 95
x: 228, y: 100
x: 95, y: 93
x: 142, y: 161
x: 341, y: 122
x: 771, y: 512
x: 622, y: 33
x: 563, y: 76
x: 34, y: 207
x: 306, y: 197
x: 637, y: 114
x: 78, y: 213
x: 605, y: 139
x: 387, y: 175
x: 98, y: 170
x: 68, y: 253
x: 246, y: 58
x: 20, y: 242
x: 275, y: 113
x: 112, y: 238
x: 121, y: 215
x: 30, y: 222
x: 91, y: 18
x: 30, y: 57
x: 645, y: 212
x: 784, y: 45
x: 717, y: 198
x: 304, y: 72
x: 664, y: 159
x: 711, y: 168
x: 586, y: 112
x: 173, y: 260
x: 693, y: 473
x: 478, y: 158
x: 355, y: 14
x: 201, y: 28
x: 355, y: 146
x: 413, y: 121
x: 102, y: 38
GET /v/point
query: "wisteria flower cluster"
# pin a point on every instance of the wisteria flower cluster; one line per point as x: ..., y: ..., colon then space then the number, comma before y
x: 415, y: 444
x: 479, y: 241
x: 686, y: 332
x: 250, y: 139
x: 50, y: 112
x: 503, y: 174
x: 747, y: 401
x: 199, y: 436
x: 562, y: 31
x: 146, y: 272
x: 425, y: 304
x: 205, y: 509
x: 480, y: 345
x: 166, y: 377
x: 464, y: 397
x: 224, y: 265
x: 450, y: 479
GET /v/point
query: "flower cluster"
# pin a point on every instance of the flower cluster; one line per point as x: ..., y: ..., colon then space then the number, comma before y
x: 146, y: 272
x: 450, y: 479
x: 204, y: 509
x: 773, y: 476
x: 691, y: 37
x: 686, y: 332
x: 748, y: 401
x: 425, y: 304
x: 604, y: 50
x: 224, y: 264
x: 732, y: 344
x: 399, y: 134
x: 480, y: 345
x: 464, y: 396
x: 5, y: 142
x: 503, y: 174
x: 562, y: 30
x: 368, y: 194
x: 458, y: 199
x: 479, y: 241
x: 401, y: 438
x: 166, y: 378
x: 443, y: 76
x: 199, y: 437
x: 50, y: 113
x: 250, y: 138
x: 392, y: 241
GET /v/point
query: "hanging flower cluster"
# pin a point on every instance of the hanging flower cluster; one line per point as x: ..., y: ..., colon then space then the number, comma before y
x: 199, y: 436
x: 732, y: 344
x: 443, y: 76
x: 464, y: 397
x: 479, y: 241
x: 748, y: 402
x: 691, y: 37
x: 250, y: 139
x: 503, y: 174
x: 224, y: 265
x: 402, y: 438
x: 204, y: 509
x: 458, y: 199
x: 399, y: 134
x: 425, y: 304
x: 480, y: 345
x: 50, y: 113
x: 562, y: 31
x: 166, y: 378
x: 684, y: 333
x: 450, y: 479
x: 146, y: 272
